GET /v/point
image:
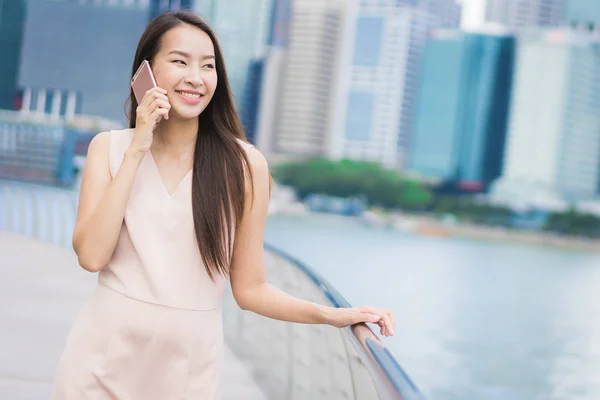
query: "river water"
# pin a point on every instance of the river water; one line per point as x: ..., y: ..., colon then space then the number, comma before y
x: 474, y: 319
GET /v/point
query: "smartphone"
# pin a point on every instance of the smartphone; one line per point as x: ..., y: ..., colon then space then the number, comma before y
x: 142, y: 81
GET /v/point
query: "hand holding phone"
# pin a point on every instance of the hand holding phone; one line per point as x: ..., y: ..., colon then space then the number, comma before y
x: 153, y: 105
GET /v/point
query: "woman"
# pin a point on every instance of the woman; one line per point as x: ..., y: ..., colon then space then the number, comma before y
x: 166, y: 217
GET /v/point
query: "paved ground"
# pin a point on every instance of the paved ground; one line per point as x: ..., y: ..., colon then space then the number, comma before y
x: 41, y: 290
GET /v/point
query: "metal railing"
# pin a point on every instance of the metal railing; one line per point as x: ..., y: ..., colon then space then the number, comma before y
x: 40, y: 153
x: 303, y: 361
x: 389, y: 377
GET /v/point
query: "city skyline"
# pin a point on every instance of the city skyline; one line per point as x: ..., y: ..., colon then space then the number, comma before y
x: 337, y: 78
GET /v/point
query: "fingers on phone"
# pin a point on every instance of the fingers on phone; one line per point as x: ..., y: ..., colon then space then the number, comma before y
x: 154, y: 93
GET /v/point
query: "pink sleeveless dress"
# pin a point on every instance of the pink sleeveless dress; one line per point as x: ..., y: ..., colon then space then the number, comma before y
x: 152, y: 328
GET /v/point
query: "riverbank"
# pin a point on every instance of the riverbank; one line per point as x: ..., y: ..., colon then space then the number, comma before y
x: 430, y: 226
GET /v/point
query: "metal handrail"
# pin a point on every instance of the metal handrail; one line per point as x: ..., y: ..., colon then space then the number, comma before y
x: 390, y: 379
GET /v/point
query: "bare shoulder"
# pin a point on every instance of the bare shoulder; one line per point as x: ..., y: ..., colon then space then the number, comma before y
x: 259, y: 168
x: 96, y: 175
x: 97, y: 162
x: 257, y: 160
x: 99, y: 146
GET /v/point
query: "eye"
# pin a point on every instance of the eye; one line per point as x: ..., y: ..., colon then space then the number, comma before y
x: 209, y: 66
x: 179, y: 61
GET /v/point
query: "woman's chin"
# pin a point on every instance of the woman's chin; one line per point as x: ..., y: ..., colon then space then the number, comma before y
x: 184, y: 115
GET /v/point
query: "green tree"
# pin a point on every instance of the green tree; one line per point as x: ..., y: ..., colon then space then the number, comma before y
x: 381, y: 187
x: 571, y: 222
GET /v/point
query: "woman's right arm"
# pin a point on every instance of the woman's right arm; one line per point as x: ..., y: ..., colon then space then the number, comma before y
x: 102, y: 203
x: 102, y: 199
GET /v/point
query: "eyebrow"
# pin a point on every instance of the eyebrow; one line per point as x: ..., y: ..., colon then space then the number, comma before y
x: 184, y: 54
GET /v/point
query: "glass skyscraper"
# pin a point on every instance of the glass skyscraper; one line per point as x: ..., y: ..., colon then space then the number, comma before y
x: 12, y: 20
x: 462, y: 109
x: 77, y: 57
x: 426, y: 15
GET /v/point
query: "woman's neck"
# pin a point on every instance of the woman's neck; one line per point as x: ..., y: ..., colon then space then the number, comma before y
x: 175, y: 136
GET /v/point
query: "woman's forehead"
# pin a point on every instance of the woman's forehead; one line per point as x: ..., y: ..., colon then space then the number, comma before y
x: 187, y: 39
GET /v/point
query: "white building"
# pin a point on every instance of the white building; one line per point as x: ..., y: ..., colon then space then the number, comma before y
x: 348, y: 78
x: 371, y: 76
x: 525, y: 13
x: 552, y: 154
x: 512, y: 13
x: 296, y: 122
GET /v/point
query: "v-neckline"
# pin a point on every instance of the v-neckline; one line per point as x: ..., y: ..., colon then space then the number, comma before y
x: 160, y: 179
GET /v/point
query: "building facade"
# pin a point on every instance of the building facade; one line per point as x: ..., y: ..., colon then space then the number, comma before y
x: 70, y: 65
x: 553, y: 145
x: 426, y: 16
x: 462, y: 112
x: 350, y: 77
x: 12, y: 22
x: 371, y: 75
x: 525, y: 13
x: 306, y: 84
x: 273, y: 72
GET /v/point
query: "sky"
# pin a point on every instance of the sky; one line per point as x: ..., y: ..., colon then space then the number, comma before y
x: 473, y: 14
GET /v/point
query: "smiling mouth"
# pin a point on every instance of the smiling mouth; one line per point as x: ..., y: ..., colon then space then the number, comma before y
x: 189, y: 95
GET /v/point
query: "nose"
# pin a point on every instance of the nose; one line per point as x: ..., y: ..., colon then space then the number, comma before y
x: 194, y: 77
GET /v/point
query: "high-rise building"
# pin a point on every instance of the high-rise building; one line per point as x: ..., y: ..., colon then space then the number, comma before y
x: 426, y: 15
x: 69, y: 64
x: 462, y: 109
x: 252, y: 93
x: 259, y: 92
x: 524, y: 13
x: 553, y: 144
x: 12, y: 20
x: 301, y: 120
x: 370, y: 75
x: 270, y: 91
x: 350, y: 76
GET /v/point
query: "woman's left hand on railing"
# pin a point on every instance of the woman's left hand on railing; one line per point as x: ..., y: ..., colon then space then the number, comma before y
x: 342, y: 317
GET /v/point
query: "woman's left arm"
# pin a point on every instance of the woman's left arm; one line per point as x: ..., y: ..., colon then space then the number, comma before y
x: 248, y: 279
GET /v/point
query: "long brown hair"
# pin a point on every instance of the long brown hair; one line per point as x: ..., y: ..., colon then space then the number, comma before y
x: 220, y: 163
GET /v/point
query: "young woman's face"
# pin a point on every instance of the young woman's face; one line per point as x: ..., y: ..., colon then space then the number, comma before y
x: 185, y: 67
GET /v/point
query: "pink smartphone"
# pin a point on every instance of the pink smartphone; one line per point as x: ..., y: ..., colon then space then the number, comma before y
x: 142, y: 81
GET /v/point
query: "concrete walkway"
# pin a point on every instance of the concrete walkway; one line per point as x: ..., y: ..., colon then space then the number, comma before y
x: 41, y: 290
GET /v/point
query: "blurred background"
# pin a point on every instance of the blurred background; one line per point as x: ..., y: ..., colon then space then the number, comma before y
x: 437, y: 157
